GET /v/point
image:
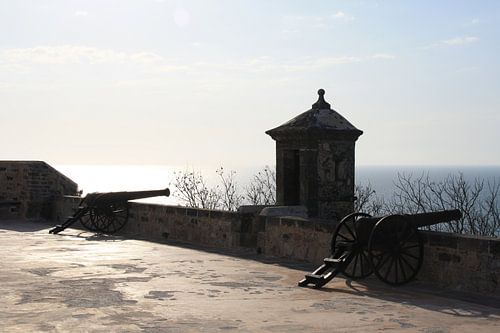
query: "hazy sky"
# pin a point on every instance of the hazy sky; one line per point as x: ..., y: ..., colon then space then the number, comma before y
x: 198, y: 82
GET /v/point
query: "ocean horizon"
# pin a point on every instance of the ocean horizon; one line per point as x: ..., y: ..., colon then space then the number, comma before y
x: 108, y: 178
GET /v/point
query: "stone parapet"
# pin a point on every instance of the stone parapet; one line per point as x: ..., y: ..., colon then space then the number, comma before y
x: 202, y: 226
x: 462, y: 262
x: 453, y: 261
x: 35, y: 186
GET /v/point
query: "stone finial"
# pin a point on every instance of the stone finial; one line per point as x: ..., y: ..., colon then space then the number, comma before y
x: 321, y: 103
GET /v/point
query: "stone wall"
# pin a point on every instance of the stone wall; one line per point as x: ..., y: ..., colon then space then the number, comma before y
x: 462, y: 262
x: 452, y: 261
x: 295, y: 238
x: 35, y: 185
x: 201, y: 226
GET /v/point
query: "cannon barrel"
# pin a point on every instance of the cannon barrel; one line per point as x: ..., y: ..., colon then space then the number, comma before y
x: 427, y: 219
x: 106, y: 212
x: 105, y: 198
x: 416, y: 220
x: 366, y: 224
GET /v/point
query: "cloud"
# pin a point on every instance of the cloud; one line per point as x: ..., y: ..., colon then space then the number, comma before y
x: 382, y: 56
x: 266, y: 64
x: 295, y: 23
x: 457, y: 41
x: 328, y: 62
x: 71, y: 54
x: 473, y: 21
x: 342, y: 16
x: 81, y: 13
x: 150, y: 65
x: 461, y: 40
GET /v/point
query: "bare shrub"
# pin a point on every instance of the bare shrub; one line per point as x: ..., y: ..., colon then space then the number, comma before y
x: 192, y: 189
x: 367, y: 200
x: 477, y: 200
x: 230, y: 199
x: 262, y: 188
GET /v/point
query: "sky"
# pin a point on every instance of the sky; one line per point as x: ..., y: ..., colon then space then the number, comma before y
x: 199, y: 82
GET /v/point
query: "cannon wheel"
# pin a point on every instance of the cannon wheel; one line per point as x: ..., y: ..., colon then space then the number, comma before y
x: 395, y: 250
x: 87, y: 221
x: 110, y: 218
x: 346, y: 237
x: 86, y: 218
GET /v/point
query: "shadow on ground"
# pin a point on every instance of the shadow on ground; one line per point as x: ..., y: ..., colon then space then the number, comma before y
x: 417, y: 294
x: 414, y: 294
x: 24, y: 226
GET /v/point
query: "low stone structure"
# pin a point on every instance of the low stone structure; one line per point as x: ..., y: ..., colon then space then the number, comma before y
x: 453, y: 261
x: 31, y: 188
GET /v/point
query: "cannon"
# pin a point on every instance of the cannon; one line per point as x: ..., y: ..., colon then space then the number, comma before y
x: 106, y: 212
x: 391, y: 247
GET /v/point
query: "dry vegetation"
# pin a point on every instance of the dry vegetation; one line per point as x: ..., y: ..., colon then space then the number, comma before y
x: 477, y: 200
x: 191, y: 189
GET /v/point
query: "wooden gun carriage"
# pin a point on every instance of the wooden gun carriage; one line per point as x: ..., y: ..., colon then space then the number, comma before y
x: 106, y: 212
x: 389, y: 246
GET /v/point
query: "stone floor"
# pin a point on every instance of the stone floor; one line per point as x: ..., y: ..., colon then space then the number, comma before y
x: 79, y: 282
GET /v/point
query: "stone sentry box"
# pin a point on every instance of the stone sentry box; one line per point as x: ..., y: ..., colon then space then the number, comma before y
x: 315, y: 161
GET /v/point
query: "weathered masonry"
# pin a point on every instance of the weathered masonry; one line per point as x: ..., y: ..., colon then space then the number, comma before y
x: 315, y: 169
x: 29, y: 189
x: 315, y: 161
x: 452, y: 261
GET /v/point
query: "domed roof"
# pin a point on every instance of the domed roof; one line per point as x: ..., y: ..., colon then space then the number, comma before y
x: 321, y: 119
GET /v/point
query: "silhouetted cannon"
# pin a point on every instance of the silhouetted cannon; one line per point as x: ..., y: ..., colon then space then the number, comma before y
x: 389, y: 246
x: 106, y: 212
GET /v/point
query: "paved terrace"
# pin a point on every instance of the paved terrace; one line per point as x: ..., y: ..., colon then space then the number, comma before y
x: 80, y: 282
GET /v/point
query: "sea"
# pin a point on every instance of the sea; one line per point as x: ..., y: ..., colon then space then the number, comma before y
x: 108, y: 178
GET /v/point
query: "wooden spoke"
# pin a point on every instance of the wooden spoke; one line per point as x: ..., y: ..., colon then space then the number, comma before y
x: 394, y: 241
x: 381, y: 263
x: 344, y: 237
x: 111, y: 218
x: 411, y: 255
x: 402, y: 268
x: 347, y: 232
x: 410, y: 247
x: 350, y: 231
x: 355, y: 264
x: 389, y: 269
x: 87, y: 221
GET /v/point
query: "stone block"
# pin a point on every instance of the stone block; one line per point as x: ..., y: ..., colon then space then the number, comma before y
x: 470, y: 243
x: 245, y: 225
x: 191, y: 212
x: 298, y: 211
x: 246, y: 240
x: 251, y: 209
x: 494, y: 247
x: 287, y: 222
x: 203, y: 213
x: 447, y: 257
x: 441, y: 239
